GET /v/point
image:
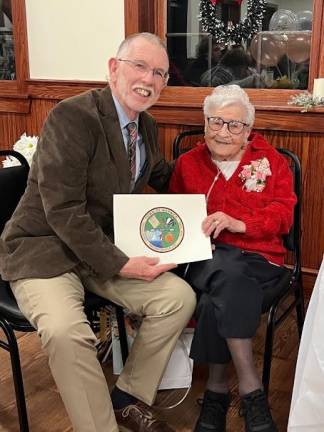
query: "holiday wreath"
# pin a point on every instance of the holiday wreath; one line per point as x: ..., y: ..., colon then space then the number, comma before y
x: 222, y: 34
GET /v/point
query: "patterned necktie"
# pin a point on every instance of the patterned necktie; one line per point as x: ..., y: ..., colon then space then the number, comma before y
x: 132, y: 130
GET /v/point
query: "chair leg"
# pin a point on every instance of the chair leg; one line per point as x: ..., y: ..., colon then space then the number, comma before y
x: 122, y: 333
x: 17, y: 375
x: 267, y: 357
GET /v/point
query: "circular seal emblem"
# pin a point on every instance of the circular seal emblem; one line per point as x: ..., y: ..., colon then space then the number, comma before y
x: 161, y: 229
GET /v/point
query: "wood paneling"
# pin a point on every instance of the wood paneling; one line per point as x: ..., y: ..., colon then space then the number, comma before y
x: 11, y: 127
x: 131, y: 8
x: 15, y: 104
x: 316, y: 60
x: 39, y: 111
x: 272, y: 120
x: 58, y: 90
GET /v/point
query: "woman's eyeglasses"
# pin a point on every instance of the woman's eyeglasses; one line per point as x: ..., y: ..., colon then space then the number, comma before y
x: 235, y: 127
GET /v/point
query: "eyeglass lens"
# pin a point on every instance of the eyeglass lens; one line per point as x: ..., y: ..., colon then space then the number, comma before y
x: 234, y: 126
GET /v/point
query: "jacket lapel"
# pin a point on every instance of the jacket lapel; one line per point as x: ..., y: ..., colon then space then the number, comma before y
x: 114, y: 137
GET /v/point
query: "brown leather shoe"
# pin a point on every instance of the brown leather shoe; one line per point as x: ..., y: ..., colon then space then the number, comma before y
x: 140, y: 418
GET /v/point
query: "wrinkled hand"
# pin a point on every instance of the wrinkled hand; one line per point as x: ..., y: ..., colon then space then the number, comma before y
x: 144, y: 268
x: 218, y: 221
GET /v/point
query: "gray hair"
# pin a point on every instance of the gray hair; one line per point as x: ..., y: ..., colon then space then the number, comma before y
x: 225, y: 95
x: 150, y: 37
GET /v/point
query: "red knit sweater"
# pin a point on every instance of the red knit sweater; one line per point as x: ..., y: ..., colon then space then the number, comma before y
x: 267, y: 214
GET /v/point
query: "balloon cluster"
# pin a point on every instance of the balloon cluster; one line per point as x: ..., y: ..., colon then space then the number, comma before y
x: 283, y: 19
x: 267, y: 48
x: 290, y: 34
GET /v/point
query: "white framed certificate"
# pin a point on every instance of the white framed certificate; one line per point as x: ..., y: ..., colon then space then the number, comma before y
x: 161, y: 225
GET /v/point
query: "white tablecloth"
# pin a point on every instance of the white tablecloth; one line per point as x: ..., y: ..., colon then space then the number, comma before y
x: 307, y: 405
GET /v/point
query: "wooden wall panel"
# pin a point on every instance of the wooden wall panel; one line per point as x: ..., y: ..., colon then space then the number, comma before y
x: 39, y: 111
x: 313, y: 204
x: 310, y: 150
x: 11, y: 127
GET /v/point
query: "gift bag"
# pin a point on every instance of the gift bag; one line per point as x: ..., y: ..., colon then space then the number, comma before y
x: 178, y: 373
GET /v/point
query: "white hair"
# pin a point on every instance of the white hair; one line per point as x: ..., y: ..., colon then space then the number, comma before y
x: 225, y: 95
x: 150, y: 37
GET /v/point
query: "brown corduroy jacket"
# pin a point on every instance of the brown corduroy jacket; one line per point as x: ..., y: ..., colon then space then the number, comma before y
x: 65, y: 217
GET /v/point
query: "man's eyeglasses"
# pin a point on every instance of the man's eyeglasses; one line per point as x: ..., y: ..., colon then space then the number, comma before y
x: 143, y: 68
x: 235, y: 127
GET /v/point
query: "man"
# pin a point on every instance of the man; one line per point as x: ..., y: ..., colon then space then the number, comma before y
x: 59, y: 241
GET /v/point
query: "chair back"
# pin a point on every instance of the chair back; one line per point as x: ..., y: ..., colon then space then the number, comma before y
x: 293, y: 238
x: 186, y: 140
x: 183, y: 141
x: 13, y: 182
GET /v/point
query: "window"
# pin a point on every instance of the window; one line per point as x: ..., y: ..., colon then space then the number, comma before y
x: 7, y: 54
x: 267, y: 46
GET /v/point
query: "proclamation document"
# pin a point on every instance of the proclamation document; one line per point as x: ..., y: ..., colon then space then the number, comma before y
x: 163, y: 226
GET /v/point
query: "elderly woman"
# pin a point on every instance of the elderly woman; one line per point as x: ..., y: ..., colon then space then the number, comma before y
x: 250, y: 201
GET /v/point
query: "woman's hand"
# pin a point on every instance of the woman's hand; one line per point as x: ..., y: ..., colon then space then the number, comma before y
x: 218, y: 221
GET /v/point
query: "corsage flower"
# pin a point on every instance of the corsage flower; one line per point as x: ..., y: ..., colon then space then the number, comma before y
x: 26, y: 145
x: 254, y: 175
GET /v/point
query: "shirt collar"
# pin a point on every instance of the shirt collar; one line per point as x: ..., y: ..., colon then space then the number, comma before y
x: 122, y: 117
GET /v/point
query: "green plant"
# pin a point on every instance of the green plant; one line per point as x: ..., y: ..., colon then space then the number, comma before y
x: 306, y: 100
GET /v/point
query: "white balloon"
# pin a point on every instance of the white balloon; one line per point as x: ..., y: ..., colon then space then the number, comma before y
x: 298, y: 46
x: 267, y: 48
x: 304, y: 20
x: 283, y: 19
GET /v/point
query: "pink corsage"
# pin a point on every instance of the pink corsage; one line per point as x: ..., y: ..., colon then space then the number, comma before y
x: 254, y: 175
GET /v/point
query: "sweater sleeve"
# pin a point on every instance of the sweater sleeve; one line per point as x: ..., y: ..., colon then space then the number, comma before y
x: 277, y: 216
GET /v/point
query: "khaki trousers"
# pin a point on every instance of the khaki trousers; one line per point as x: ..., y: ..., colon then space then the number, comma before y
x: 55, y: 308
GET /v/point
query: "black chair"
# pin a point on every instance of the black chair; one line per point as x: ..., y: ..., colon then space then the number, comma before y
x: 12, y: 185
x: 185, y: 141
x: 288, y: 294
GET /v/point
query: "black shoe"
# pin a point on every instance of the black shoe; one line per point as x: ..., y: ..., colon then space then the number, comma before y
x: 256, y: 411
x: 213, y: 412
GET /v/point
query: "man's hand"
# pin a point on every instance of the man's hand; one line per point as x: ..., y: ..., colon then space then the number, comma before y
x: 218, y: 221
x: 144, y: 268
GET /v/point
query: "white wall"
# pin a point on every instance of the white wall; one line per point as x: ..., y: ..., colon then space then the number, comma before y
x: 73, y: 39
